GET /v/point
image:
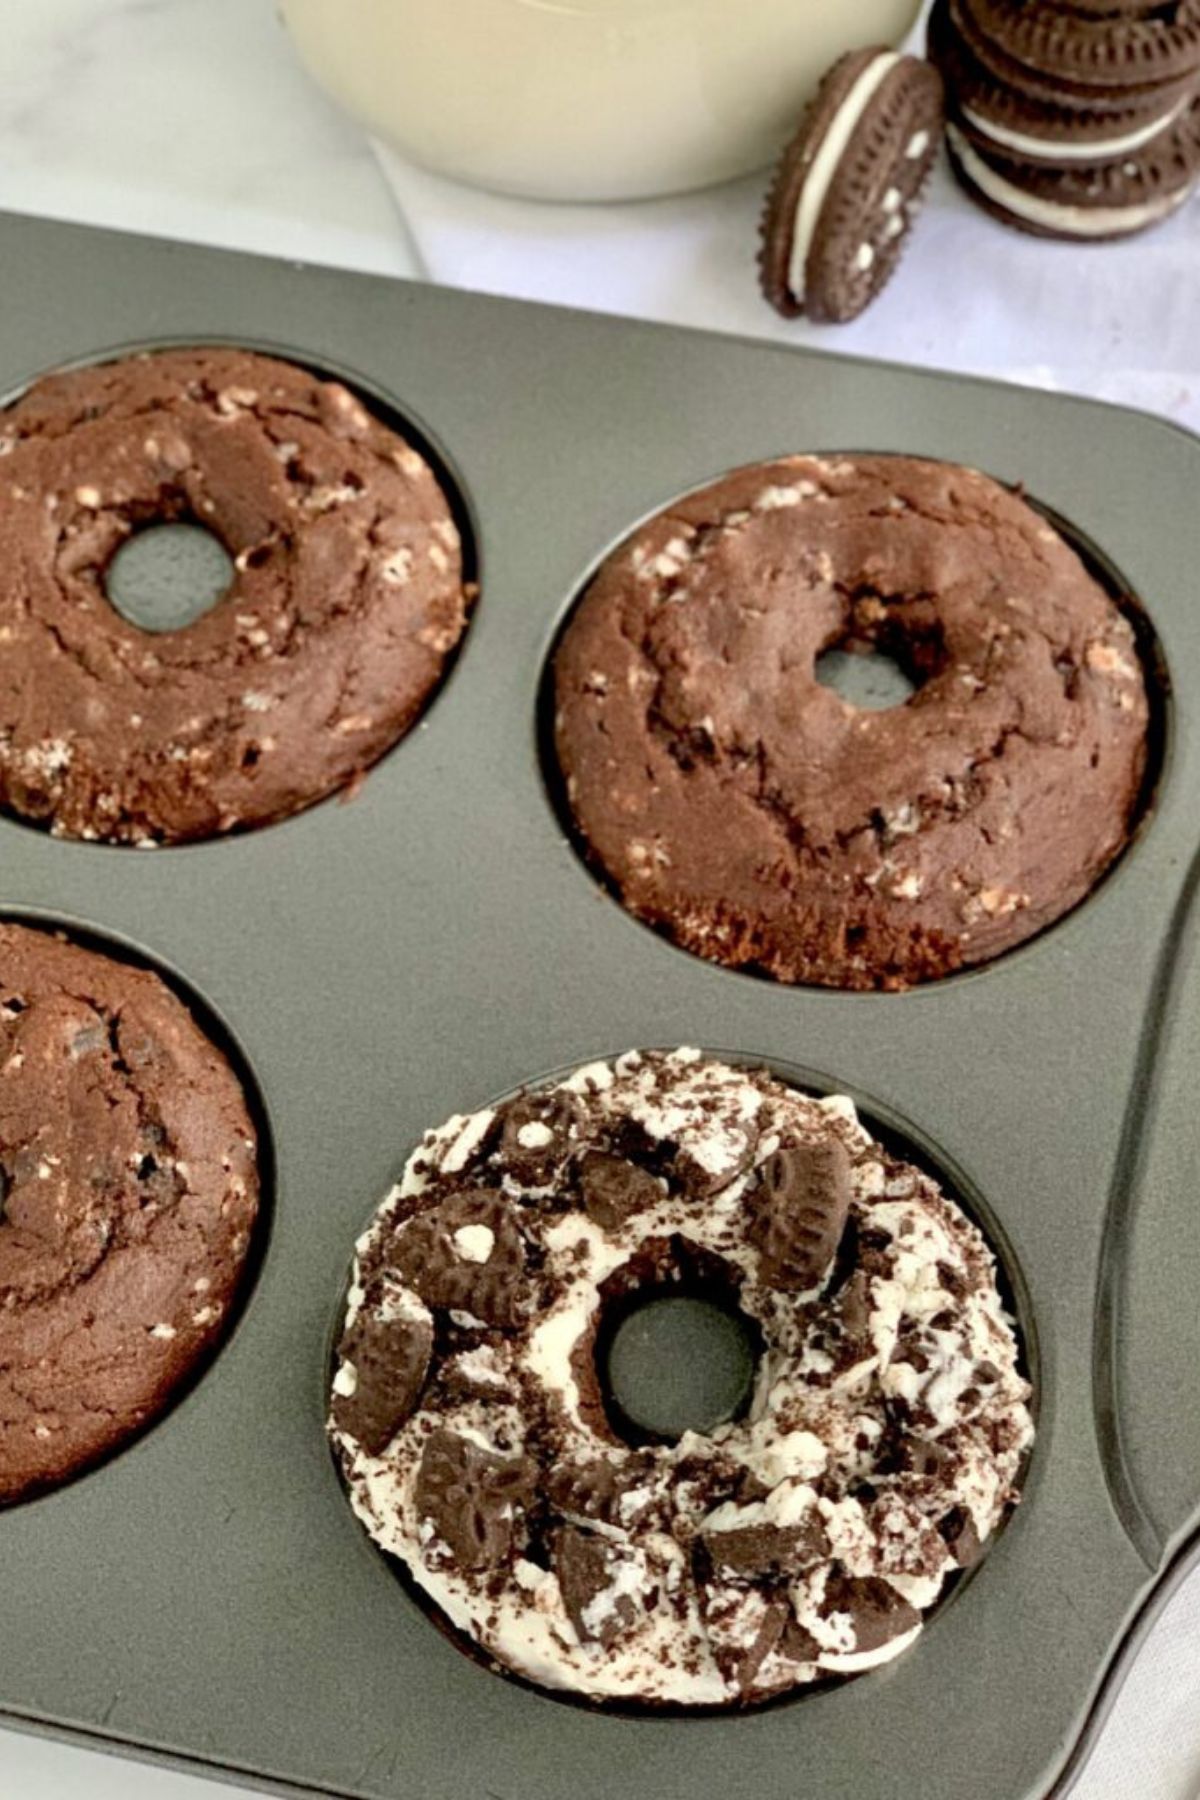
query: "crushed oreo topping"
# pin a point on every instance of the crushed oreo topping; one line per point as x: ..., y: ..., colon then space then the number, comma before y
x: 472, y: 1498
x: 384, y: 1363
x: 884, y: 1437
x: 589, y: 1571
x: 614, y: 1190
x: 799, y: 1211
x: 465, y: 1254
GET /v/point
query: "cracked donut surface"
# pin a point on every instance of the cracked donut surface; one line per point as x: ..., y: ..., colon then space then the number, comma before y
x: 804, y: 1541
x: 347, y: 596
x: 761, y: 820
x: 128, y: 1194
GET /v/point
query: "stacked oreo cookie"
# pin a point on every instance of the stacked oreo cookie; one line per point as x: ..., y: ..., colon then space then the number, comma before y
x: 1072, y: 118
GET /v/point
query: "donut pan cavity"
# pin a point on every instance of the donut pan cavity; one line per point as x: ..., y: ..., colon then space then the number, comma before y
x: 206, y: 1595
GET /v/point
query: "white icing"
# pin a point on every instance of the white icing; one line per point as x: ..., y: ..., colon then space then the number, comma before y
x: 1075, y: 221
x: 630, y: 1580
x: 919, y: 1590
x: 467, y: 1139
x: 399, y: 1302
x: 787, y: 1505
x: 842, y: 127
x: 481, y: 1366
x: 593, y: 1077
x: 1095, y: 150
x: 856, y: 1662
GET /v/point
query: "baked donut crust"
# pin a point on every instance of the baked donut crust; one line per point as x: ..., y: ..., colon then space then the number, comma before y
x: 129, y: 1190
x: 762, y: 821
x: 799, y: 1543
x: 346, y: 602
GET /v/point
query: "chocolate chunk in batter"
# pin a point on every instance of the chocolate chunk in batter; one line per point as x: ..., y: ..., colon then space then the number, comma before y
x: 614, y: 1190
x: 799, y: 1212
x: 128, y: 1194
x: 472, y: 1498
x: 465, y: 1253
x: 588, y: 1566
x: 390, y: 1359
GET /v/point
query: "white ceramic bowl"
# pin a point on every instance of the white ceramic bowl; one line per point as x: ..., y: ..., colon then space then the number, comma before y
x: 585, y: 99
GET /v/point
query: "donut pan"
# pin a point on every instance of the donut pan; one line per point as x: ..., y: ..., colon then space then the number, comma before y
x: 206, y: 1596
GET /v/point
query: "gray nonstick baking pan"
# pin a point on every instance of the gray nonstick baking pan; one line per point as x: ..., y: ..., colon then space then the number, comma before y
x: 206, y: 1596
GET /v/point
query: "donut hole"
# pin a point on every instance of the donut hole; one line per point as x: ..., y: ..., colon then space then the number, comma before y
x: 677, y: 1362
x: 884, y: 654
x: 168, y: 575
x: 867, y: 679
x: 674, y: 1352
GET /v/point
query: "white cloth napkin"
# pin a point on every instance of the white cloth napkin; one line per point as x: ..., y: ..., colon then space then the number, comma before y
x: 1119, y: 322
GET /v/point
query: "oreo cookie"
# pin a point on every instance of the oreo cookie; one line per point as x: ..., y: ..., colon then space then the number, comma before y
x: 798, y: 1212
x: 998, y: 117
x: 1095, y: 201
x: 848, y: 184
x: 1023, y: 142
x: 1137, y: 90
x: 1103, y: 50
x: 1076, y: 119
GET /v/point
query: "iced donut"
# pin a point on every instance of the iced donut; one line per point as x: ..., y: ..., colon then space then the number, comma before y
x: 804, y: 1539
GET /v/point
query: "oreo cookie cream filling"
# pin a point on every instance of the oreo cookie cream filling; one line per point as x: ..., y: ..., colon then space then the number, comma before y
x: 799, y: 1538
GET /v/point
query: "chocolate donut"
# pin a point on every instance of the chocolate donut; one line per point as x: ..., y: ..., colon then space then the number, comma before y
x: 797, y: 1543
x: 346, y: 600
x: 128, y: 1194
x: 763, y: 821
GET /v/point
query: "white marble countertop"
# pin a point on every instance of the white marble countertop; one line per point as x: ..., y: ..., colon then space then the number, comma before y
x: 189, y: 119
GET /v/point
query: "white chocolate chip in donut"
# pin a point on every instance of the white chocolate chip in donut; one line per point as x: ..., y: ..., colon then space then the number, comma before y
x: 397, y: 568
